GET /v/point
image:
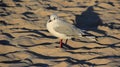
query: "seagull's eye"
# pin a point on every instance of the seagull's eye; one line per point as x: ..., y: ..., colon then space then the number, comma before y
x: 54, y: 19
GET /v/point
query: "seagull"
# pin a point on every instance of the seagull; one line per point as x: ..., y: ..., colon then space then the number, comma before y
x: 64, y: 30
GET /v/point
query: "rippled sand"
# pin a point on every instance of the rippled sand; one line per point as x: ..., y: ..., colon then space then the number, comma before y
x: 25, y: 41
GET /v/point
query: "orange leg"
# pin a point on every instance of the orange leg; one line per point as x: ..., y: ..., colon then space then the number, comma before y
x: 66, y: 41
x: 61, y: 43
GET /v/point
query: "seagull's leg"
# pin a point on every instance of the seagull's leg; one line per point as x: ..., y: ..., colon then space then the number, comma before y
x: 66, y: 41
x: 61, y: 44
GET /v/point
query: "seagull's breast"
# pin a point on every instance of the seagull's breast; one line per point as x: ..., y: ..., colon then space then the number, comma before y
x: 51, y: 28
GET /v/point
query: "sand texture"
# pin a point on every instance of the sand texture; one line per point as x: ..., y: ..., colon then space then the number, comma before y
x: 25, y: 41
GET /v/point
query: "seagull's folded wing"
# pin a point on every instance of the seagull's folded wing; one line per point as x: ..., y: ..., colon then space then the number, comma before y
x: 68, y: 30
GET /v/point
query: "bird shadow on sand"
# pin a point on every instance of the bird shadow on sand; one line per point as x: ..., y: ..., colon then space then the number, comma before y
x: 89, y: 20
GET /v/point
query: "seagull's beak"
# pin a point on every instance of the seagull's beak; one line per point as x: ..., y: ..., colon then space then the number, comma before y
x: 49, y: 21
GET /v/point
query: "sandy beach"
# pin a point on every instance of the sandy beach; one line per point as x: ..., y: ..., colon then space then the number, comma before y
x: 25, y: 41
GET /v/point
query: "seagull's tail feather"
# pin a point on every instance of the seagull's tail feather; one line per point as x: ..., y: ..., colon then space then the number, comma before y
x: 86, y: 37
x: 92, y: 38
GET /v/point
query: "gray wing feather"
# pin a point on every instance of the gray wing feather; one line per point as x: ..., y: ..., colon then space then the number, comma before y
x: 64, y: 30
x: 68, y: 29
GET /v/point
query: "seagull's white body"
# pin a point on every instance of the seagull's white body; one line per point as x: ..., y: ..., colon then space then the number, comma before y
x: 63, y: 29
x: 55, y: 24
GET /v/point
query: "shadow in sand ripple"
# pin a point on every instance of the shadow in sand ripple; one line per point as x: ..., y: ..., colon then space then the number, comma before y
x: 76, y: 61
x: 51, y: 7
x: 7, y: 34
x: 39, y: 33
x: 43, y: 56
x: 66, y: 46
x: 4, y: 42
x: 106, y: 57
x: 73, y: 61
x: 66, y: 59
x: 40, y: 65
x: 113, y: 46
x: 11, y: 62
x: 91, y: 53
x: 113, y: 25
x: 35, y: 45
x: 30, y: 16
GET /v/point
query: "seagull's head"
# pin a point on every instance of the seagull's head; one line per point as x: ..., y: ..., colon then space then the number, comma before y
x: 53, y: 17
